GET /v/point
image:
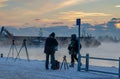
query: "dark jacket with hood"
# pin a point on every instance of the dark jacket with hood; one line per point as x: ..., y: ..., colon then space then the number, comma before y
x: 73, y: 46
x: 50, y: 44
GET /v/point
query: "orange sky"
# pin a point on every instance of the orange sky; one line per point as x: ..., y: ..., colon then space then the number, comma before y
x: 41, y: 13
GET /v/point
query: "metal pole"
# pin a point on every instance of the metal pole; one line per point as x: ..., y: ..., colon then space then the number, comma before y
x: 119, y: 67
x: 79, y: 55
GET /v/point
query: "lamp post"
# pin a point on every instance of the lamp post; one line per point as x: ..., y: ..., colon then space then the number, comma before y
x: 78, y: 23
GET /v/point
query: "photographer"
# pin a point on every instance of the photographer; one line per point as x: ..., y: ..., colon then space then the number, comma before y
x: 50, y: 48
x: 73, y: 49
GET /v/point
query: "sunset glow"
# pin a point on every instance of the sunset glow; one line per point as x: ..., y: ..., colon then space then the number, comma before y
x: 43, y: 12
x: 117, y: 25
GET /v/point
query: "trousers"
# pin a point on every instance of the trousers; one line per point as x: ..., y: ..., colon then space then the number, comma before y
x: 52, y: 60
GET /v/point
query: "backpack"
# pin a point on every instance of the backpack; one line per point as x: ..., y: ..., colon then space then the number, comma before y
x: 57, y: 65
x: 73, y: 45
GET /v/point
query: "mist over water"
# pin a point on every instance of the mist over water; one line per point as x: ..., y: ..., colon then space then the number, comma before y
x: 111, y: 50
x: 105, y: 50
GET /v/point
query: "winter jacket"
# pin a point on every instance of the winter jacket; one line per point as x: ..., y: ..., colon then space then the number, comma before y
x: 50, y: 45
x: 73, y: 47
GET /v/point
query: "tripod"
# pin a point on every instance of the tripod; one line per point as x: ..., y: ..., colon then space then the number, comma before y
x: 23, y: 45
x: 12, y: 49
x: 65, y: 63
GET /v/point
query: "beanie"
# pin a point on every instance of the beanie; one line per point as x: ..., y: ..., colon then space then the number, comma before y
x: 52, y: 34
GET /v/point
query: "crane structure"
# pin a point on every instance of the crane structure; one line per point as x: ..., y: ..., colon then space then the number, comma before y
x: 5, y: 33
x: 32, y: 40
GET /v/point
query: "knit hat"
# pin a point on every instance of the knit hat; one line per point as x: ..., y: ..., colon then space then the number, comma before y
x: 73, y: 37
x: 52, y: 34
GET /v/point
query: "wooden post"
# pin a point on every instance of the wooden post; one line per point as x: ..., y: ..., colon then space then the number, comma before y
x: 119, y: 67
x: 87, y: 62
x: 1, y: 55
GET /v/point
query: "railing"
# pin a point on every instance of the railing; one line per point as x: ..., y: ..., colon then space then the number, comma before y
x: 87, y: 57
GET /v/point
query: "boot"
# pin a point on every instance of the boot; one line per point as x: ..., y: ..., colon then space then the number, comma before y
x: 72, y: 65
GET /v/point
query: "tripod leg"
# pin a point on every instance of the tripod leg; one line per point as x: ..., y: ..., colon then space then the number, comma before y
x: 9, y: 52
x: 61, y: 65
x: 27, y: 53
x: 16, y: 50
x: 18, y: 53
x: 66, y: 63
x: 13, y: 52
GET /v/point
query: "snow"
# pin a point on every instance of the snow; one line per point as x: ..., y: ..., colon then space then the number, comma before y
x: 35, y: 69
x: 23, y: 69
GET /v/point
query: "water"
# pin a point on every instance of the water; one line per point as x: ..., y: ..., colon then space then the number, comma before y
x: 105, y: 50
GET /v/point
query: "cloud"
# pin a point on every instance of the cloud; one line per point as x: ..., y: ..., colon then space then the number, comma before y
x: 118, y: 6
x: 31, y: 8
x: 37, y: 19
x: 2, y: 3
x: 51, y: 6
x: 1, y: 14
x: 67, y: 3
x: 34, y: 16
x: 72, y: 15
x: 57, y: 23
x: 29, y: 11
x: 23, y: 11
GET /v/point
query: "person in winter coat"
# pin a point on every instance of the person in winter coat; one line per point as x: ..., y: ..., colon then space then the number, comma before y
x: 73, y: 49
x: 50, y: 48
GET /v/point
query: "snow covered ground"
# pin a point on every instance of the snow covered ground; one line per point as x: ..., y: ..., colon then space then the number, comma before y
x: 22, y: 69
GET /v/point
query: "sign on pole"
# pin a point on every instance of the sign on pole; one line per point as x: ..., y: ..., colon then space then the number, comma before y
x: 78, y: 23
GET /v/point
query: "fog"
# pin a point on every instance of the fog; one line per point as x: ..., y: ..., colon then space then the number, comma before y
x: 105, y: 50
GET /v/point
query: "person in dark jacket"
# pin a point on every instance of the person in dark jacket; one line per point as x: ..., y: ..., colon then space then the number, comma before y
x: 73, y: 49
x: 50, y: 48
